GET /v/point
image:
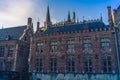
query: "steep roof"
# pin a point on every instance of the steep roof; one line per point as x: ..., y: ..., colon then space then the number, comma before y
x: 118, y: 7
x: 76, y: 27
x: 13, y: 33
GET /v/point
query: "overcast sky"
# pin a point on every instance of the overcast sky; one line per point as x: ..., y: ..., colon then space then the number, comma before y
x: 15, y: 12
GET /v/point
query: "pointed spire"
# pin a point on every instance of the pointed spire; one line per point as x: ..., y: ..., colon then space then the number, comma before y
x: 48, y: 15
x: 48, y: 20
x: 69, y: 19
x: 74, y: 17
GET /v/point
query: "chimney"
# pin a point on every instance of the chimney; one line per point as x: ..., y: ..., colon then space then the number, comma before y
x: 38, y: 25
x: 110, y: 20
x: 29, y: 21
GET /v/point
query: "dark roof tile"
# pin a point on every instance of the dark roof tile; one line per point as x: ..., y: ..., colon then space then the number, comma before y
x: 13, y: 33
x: 75, y: 27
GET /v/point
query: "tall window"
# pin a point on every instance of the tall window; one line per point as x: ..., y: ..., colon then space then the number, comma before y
x: 88, y: 64
x: 106, y: 64
x: 53, y: 46
x: 10, y: 51
x: 39, y: 65
x: 2, y: 49
x: 1, y: 65
x: 8, y: 66
x: 87, y: 46
x: 105, y: 43
x: 53, y: 64
x: 39, y: 47
x: 70, y: 64
x: 70, y: 45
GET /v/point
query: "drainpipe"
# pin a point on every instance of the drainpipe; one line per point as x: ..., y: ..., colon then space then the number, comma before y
x: 117, y: 50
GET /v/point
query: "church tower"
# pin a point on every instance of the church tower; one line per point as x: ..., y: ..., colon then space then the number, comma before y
x: 48, y: 22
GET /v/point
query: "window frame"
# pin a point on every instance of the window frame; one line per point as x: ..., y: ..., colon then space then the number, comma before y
x: 39, y: 47
x: 105, y: 43
x: 10, y: 51
x: 39, y: 65
x: 88, y: 66
x: 70, y: 64
x: 87, y: 44
x: 53, y: 64
x: 54, y: 46
x: 71, y: 45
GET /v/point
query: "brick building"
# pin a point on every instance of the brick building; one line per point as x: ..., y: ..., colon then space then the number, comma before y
x: 69, y: 48
x: 14, y: 47
x: 73, y: 47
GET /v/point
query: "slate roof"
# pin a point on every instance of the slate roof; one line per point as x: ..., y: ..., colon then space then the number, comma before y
x: 76, y: 27
x: 13, y: 33
x: 118, y: 7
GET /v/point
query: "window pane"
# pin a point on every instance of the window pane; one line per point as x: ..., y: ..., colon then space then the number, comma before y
x: 39, y: 47
x: 70, y: 64
x: 53, y: 64
x: 53, y: 46
x: 39, y: 65
x: 87, y: 46
x: 88, y: 64
x: 105, y: 43
x: 107, y: 63
x: 70, y: 45
x: 10, y: 51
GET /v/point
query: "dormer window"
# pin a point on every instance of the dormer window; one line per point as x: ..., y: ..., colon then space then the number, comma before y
x: 7, y: 37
